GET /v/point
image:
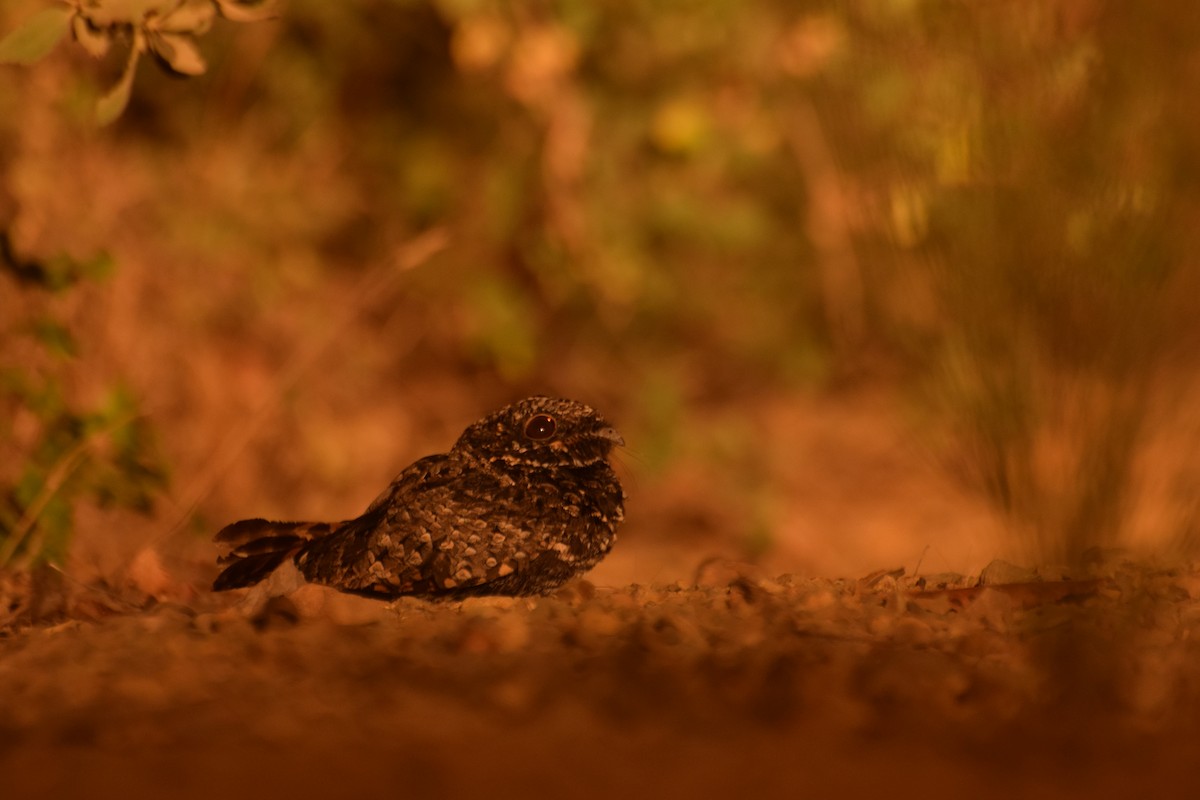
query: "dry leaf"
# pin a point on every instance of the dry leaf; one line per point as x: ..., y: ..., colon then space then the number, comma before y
x: 90, y: 38
x: 177, y: 53
x: 148, y: 576
x: 192, y: 16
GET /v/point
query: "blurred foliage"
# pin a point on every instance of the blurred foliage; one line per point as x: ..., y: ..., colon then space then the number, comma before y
x: 59, y: 449
x: 700, y: 202
x: 1041, y: 174
x: 164, y: 29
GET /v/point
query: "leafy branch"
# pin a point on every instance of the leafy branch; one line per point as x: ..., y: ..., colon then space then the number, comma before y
x: 106, y: 453
x: 166, y: 30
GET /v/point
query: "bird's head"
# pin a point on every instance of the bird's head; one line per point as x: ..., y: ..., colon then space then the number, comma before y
x: 541, y: 432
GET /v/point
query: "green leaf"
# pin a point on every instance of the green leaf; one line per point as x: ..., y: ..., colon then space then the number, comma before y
x: 27, y: 487
x: 37, y: 37
x: 110, y: 106
x: 45, y: 400
x: 96, y: 268
x: 56, y: 338
x: 54, y: 528
x: 117, y: 406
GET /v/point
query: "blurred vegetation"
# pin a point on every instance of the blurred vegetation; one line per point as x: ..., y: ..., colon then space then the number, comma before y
x: 164, y: 29
x: 1042, y: 176
x: 58, y: 448
x: 676, y: 209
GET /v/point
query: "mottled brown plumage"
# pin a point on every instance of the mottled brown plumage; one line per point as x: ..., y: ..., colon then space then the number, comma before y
x: 524, y: 501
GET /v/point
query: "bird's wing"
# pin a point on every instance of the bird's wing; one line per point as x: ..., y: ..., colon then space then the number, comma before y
x: 431, y: 534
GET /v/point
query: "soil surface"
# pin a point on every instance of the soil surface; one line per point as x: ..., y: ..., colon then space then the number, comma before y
x: 1031, y: 685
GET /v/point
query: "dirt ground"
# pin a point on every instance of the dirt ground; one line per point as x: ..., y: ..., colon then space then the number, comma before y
x: 742, y: 685
x: 666, y: 674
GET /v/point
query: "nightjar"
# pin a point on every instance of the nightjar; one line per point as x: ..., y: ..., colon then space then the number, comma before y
x: 523, y: 501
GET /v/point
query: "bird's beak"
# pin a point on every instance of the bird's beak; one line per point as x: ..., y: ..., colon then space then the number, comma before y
x: 611, y: 435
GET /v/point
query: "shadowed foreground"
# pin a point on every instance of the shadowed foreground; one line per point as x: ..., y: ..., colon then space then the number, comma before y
x: 741, y: 688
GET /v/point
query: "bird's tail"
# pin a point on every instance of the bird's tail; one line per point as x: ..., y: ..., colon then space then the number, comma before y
x: 258, y: 546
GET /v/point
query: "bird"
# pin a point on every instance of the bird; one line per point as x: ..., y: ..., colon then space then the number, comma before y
x: 524, y: 501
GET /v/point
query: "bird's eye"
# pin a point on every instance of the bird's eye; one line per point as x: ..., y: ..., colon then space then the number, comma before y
x: 541, y: 426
